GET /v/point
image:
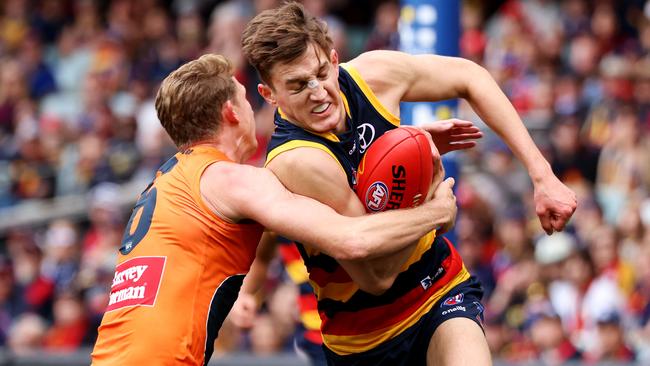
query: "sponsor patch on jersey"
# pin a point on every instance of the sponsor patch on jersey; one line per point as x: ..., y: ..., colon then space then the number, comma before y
x: 428, y: 281
x: 136, y: 282
x: 454, y: 309
x: 377, y: 196
x: 454, y: 300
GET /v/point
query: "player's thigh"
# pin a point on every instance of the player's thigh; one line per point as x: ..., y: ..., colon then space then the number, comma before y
x: 458, y: 342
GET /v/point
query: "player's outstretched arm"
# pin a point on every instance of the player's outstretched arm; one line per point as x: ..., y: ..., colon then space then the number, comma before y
x: 396, y: 75
x: 236, y: 191
x: 554, y: 202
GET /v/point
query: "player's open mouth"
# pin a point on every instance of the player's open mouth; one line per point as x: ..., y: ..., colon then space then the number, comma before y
x: 321, y: 108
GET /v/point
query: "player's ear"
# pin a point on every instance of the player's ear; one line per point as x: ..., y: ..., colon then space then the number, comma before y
x: 334, y: 57
x: 266, y: 93
x: 228, y: 114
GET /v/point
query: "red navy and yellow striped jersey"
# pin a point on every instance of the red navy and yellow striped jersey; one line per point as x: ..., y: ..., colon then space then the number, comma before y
x: 354, y: 321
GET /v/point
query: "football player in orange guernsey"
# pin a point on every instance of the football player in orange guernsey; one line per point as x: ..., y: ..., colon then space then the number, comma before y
x: 419, y: 306
x: 194, y: 230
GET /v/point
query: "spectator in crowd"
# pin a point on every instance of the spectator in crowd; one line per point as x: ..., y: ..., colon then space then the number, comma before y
x: 11, y: 301
x: 612, y: 346
x: 61, y: 254
x: 36, y: 290
x: 69, y: 328
x: 550, y: 341
x: 27, y: 334
x: 384, y: 35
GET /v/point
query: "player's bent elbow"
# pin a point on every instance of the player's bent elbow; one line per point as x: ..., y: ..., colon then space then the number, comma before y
x: 477, y: 76
x: 470, y: 66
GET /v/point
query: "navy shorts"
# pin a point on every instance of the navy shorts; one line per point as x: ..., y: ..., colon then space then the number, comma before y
x: 410, y: 347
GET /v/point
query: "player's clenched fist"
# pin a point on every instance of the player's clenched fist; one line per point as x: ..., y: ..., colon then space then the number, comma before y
x: 554, y: 204
x: 445, y: 202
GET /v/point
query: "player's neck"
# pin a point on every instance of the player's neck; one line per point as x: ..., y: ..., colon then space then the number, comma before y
x: 228, y: 145
x: 235, y: 144
x: 199, y: 143
x: 341, y: 127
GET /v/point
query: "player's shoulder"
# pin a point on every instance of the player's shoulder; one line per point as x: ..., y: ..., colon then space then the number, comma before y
x: 372, y: 57
x: 311, y: 159
x: 227, y: 187
x: 376, y: 62
x: 229, y: 174
x: 305, y: 170
x: 381, y: 70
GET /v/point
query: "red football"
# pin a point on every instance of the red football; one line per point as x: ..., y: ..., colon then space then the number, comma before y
x: 396, y: 171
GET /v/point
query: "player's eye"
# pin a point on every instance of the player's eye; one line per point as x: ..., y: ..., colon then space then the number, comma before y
x: 324, y: 72
x: 301, y: 86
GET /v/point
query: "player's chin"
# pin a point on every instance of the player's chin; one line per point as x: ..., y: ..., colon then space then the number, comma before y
x: 323, y: 125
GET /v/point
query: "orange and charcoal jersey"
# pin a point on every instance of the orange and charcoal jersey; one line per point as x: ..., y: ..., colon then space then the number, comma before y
x: 179, y: 271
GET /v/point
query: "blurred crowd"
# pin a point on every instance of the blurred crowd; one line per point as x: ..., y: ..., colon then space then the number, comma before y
x: 578, y: 73
x: 77, y: 82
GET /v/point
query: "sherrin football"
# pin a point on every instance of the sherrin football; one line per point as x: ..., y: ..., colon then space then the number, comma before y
x: 396, y: 171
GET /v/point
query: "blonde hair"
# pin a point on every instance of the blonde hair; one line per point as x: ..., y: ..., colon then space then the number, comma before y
x: 189, y: 100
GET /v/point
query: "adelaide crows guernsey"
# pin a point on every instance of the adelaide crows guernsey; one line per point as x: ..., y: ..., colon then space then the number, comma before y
x: 353, y: 320
x: 178, y: 274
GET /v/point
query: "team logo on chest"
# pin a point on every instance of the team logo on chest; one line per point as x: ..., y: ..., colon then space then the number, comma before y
x: 366, y: 133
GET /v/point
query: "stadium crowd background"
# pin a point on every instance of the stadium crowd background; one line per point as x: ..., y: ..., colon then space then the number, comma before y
x: 77, y: 81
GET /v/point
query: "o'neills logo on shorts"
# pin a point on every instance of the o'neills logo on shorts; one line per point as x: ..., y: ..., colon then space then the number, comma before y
x: 136, y: 282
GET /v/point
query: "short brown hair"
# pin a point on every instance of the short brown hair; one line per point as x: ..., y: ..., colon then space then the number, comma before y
x: 282, y: 35
x: 189, y: 100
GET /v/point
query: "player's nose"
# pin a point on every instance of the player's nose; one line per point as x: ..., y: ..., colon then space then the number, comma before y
x: 318, y: 93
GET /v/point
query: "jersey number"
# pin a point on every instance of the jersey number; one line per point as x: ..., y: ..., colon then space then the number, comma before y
x: 143, y: 212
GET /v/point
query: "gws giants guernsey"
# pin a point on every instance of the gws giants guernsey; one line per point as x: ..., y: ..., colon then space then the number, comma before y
x: 179, y: 271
